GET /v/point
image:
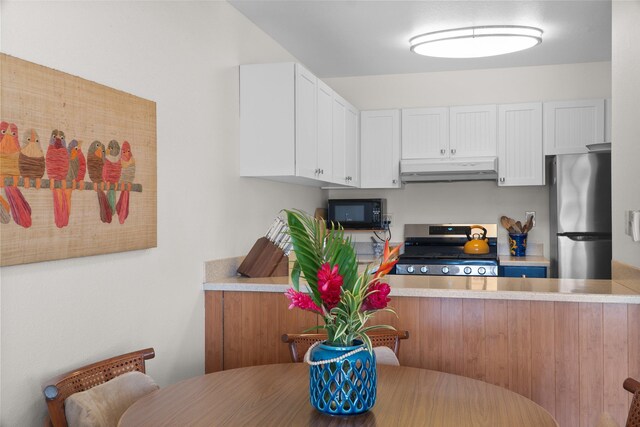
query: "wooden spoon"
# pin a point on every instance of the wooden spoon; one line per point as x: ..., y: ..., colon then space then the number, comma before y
x: 512, y: 225
x: 505, y: 222
x: 529, y: 225
x: 519, y: 225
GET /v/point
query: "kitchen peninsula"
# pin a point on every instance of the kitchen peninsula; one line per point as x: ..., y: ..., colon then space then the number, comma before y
x: 566, y: 344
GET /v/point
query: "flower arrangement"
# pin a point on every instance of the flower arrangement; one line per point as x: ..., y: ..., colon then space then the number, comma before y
x: 327, y: 261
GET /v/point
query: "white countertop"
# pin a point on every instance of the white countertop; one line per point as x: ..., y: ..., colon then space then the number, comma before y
x: 504, y: 288
x: 525, y: 261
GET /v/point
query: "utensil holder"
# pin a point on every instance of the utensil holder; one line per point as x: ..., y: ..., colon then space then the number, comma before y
x: 518, y: 244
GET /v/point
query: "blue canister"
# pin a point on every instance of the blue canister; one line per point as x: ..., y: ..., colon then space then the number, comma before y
x: 518, y: 244
x: 342, y: 380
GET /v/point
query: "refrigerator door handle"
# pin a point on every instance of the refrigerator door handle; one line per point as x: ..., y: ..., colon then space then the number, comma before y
x: 586, y: 238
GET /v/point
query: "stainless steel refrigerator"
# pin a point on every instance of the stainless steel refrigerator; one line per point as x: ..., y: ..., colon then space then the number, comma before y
x: 580, y: 216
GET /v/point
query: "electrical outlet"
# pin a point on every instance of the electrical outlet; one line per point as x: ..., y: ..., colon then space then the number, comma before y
x: 386, y: 220
x: 533, y: 214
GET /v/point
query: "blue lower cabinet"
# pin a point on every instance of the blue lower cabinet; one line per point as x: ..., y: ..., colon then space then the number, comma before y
x: 522, y: 271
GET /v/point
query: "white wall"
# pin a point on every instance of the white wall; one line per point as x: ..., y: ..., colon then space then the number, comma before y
x: 184, y: 56
x: 471, y: 201
x: 625, y: 157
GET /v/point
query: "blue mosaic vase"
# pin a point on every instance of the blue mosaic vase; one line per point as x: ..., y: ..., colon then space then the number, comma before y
x: 518, y: 244
x: 346, y: 386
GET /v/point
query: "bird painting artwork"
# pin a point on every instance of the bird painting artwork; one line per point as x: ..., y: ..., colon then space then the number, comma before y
x: 95, y: 164
x: 111, y: 172
x: 9, y: 166
x: 57, y: 165
x: 111, y: 169
x: 126, y: 178
x: 77, y: 169
x: 31, y: 160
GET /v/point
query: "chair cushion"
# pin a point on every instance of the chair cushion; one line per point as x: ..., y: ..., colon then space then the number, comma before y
x: 103, y: 405
x: 385, y: 356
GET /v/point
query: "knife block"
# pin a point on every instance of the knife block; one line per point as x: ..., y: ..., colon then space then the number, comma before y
x: 264, y: 260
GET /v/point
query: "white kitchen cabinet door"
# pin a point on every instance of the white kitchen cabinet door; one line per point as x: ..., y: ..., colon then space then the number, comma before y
x: 306, y: 123
x: 339, y: 141
x: 472, y: 131
x: 569, y: 126
x: 520, y: 153
x: 352, y: 146
x: 380, y: 149
x: 425, y: 133
x: 345, y: 143
x: 324, y: 100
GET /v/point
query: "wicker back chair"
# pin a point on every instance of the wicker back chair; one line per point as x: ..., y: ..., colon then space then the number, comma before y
x: 300, y: 343
x: 633, y: 386
x: 59, y: 388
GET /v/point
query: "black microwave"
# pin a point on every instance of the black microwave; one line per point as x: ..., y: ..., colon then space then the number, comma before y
x: 359, y: 214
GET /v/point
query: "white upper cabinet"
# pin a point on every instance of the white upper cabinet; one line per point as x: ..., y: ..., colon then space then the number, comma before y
x: 520, y: 154
x: 425, y: 133
x: 287, y: 126
x: 306, y: 121
x: 380, y: 149
x: 268, y: 130
x: 339, y: 140
x: 345, y: 143
x: 324, y: 132
x: 472, y: 131
x: 569, y: 126
x: 352, y: 146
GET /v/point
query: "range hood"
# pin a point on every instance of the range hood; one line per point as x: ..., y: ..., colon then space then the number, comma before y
x: 429, y: 170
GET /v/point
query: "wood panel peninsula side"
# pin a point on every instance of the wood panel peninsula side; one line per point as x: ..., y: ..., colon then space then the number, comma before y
x: 566, y: 344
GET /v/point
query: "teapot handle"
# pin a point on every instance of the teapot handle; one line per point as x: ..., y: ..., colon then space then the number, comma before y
x: 484, y: 232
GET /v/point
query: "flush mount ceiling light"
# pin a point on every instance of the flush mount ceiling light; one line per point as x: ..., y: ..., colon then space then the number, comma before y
x: 476, y: 42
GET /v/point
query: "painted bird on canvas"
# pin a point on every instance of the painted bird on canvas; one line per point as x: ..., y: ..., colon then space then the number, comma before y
x: 31, y: 160
x: 126, y: 178
x: 9, y: 166
x: 95, y: 164
x: 77, y: 169
x: 111, y: 172
x: 57, y: 169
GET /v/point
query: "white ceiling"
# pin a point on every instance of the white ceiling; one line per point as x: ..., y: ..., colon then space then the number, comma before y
x: 355, y: 38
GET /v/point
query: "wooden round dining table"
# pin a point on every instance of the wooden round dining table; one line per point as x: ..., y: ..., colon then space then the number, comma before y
x: 278, y: 395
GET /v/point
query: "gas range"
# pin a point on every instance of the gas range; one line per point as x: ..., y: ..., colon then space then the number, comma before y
x: 437, y: 250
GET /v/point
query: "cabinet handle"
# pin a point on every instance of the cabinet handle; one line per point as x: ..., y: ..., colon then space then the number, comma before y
x: 502, y: 179
x: 321, y: 171
x: 453, y: 151
x: 443, y: 151
x: 395, y: 181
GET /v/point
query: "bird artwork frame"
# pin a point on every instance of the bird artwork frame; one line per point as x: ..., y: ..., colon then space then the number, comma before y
x: 77, y: 166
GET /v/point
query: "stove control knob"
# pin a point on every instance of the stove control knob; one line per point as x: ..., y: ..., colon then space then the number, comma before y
x: 482, y: 270
x: 445, y: 270
x: 467, y: 270
x: 410, y: 269
x: 424, y: 269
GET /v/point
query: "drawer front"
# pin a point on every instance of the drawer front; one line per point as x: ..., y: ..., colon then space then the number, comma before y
x: 522, y: 271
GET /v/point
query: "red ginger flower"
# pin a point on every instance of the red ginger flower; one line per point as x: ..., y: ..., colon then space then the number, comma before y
x: 329, y: 285
x: 378, y: 296
x: 301, y: 300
